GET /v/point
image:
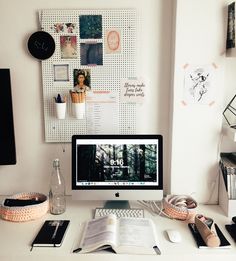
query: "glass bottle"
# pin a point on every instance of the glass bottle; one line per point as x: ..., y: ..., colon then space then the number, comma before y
x: 57, y: 199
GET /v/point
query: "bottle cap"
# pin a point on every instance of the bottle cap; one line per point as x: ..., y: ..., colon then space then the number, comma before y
x: 56, y: 163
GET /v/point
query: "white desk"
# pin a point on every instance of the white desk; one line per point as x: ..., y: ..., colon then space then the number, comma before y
x: 15, y: 238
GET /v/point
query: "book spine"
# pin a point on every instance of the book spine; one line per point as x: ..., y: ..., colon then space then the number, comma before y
x: 228, y: 168
x: 224, y: 174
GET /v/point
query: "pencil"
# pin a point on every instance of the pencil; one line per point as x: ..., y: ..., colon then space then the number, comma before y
x: 83, y: 97
x: 74, y: 97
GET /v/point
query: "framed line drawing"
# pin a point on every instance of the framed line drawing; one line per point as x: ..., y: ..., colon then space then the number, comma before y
x: 61, y: 72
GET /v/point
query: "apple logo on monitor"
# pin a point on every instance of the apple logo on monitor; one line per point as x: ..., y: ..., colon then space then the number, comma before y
x: 117, y: 194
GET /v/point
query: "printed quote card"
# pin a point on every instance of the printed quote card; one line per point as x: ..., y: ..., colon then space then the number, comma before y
x: 133, y: 90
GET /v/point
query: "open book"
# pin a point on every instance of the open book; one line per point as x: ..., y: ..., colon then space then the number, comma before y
x: 123, y: 236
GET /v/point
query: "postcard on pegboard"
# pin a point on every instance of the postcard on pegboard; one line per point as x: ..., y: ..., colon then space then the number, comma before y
x: 133, y: 90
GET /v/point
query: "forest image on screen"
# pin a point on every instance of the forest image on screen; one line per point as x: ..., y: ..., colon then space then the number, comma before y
x: 117, y: 162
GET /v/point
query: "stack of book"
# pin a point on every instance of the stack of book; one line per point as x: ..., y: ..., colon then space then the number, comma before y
x: 228, y: 169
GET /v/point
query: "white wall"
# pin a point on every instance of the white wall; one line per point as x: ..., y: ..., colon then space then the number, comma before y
x: 230, y: 91
x: 196, y: 129
x: 18, y: 20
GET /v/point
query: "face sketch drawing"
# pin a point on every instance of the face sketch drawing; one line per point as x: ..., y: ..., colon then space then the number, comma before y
x: 113, y: 41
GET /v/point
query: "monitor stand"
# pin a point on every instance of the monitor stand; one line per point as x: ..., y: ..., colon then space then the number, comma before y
x: 117, y: 204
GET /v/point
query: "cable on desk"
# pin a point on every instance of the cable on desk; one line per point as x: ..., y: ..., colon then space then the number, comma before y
x: 181, y: 207
x: 154, y: 207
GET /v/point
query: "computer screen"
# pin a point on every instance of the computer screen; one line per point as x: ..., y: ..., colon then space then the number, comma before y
x: 122, y: 167
x: 7, y: 136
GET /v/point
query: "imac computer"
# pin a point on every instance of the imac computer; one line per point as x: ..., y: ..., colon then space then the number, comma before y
x: 117, y: 167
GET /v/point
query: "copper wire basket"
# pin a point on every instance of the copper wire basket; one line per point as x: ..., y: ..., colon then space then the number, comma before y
x: 25, y: 213
x: 176, y: 212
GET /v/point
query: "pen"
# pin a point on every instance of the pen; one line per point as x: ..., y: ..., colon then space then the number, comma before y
x: 59, y: 98
x: 157, y: 250
x: 77, y: 250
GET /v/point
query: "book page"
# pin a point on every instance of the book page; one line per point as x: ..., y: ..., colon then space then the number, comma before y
x: 136, y: 232
x: 99, y: 232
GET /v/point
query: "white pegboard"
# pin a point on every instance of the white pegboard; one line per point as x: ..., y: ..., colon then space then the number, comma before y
x: 103, y: 77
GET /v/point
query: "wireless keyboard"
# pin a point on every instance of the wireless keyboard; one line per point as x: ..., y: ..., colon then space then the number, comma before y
x: 129, y: 212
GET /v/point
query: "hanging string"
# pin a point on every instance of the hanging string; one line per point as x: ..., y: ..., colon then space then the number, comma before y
x: 40, y: 18
x: 63, y: 147
x: 62, y: 144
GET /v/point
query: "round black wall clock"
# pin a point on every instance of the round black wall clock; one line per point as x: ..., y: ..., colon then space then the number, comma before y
x: 41, y: 45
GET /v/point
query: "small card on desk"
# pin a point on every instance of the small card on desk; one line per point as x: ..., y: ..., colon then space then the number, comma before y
x: 51, y: 233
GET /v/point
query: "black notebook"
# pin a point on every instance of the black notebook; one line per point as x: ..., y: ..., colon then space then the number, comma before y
x: 224, y: 243
x: 232, y: 230
x: 51, y: 233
